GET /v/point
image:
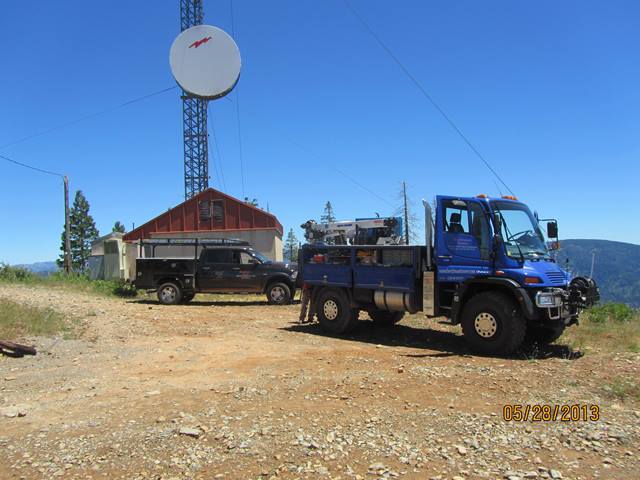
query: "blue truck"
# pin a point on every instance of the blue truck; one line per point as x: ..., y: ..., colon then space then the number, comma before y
x: 485, y: 265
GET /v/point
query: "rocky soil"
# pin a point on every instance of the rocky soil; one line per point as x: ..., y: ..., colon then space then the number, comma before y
x: 237, y: 389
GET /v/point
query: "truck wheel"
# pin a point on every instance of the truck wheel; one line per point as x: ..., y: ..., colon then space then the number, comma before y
x: 187, y: 297
x: 278, y: 293
x: 543, y: 335
x: 384, y: 317
x: 169, y: 294
x: 492, y: 323
x: 334, y: 311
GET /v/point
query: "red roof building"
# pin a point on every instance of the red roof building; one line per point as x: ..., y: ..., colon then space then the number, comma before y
x: 213, y: 214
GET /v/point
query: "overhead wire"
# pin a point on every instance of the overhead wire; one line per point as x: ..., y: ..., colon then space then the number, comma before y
x: 87, y: 117
x: 217, y: 150
x: 424, y: 92
x: 364, y: 187
x: 348, y: 177
x: 37, y: 169
x: 237, y: 102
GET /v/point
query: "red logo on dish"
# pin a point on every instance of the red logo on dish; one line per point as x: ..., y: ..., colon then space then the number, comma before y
x: 197, y: 43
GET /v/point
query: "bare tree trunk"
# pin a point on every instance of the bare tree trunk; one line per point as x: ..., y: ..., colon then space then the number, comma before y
x: 406, y: 214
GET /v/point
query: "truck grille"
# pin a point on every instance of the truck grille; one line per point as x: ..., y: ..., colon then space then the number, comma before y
x: 556, y: 277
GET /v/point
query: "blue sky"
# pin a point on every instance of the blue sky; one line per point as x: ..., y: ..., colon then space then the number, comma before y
x: 547, y: 91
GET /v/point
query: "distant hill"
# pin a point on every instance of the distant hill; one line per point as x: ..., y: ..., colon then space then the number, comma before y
x: 40, y: 268
x: 616, y: 269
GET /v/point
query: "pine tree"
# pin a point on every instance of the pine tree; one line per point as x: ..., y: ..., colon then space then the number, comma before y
x: 119, y: 227
x: 83, y: 232
x: 290, y: 250
x: 328, y: 215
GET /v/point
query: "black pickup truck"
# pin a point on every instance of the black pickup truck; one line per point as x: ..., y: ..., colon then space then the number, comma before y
x: 234, y: 268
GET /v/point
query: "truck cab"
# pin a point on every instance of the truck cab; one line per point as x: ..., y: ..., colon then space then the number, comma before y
x: 486, y: 265
x: 492, y: 263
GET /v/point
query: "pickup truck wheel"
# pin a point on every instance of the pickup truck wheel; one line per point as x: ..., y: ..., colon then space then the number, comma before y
x: 169, y: 294
x: 278, y: 293
x: 334, y: 312
x: 492, y: 323
x: 384, y: 317
x: 542, y: 335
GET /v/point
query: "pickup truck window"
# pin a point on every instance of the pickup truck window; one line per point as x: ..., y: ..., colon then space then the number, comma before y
x: 245, y: 259
x: 218, y: 256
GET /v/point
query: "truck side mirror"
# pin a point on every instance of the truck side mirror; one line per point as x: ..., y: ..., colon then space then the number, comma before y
x: 497, y: 226
x: 552, y: 230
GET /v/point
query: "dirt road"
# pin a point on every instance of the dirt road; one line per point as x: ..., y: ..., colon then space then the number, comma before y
x: 239, y: 390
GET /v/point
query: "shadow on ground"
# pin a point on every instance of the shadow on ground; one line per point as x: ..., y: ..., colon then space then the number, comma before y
x: 444, y: 344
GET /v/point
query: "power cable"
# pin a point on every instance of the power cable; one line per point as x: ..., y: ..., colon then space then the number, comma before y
x: 423, y: 91
x: 86, y: 117
x: 363, y: 187
x: 41, y: 170
x: 237, y: 102
x: 353, y: 180
x: 215, y: 144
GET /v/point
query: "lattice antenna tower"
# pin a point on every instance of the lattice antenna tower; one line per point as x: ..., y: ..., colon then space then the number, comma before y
x: 194, y: 118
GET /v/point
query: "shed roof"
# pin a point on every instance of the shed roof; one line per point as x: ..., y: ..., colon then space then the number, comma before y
x: 209, y: 211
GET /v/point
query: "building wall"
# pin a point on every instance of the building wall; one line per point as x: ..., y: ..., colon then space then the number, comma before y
x: 113, y: 259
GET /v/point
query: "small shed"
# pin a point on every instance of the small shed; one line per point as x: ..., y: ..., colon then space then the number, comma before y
x: 108, y: 258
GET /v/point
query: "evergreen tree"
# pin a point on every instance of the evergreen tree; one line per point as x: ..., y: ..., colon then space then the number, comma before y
x: 83, y: 232
x: 290, y: 250
x: 328, y: 215
x: 119, y: 227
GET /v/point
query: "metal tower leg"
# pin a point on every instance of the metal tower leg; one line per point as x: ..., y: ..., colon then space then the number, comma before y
x: 194, y: 118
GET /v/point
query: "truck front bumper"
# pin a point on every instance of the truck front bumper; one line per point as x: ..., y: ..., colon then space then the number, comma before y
x: 555, y: 302
x: 566, y: 303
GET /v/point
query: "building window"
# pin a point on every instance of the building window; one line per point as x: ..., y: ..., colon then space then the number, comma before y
x: 204, y: 207
x: 218, y: 211
x: 211, y: 209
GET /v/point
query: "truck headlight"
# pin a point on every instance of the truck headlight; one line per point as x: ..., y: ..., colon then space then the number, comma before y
x: 294, y: 275
x: 548, y: 300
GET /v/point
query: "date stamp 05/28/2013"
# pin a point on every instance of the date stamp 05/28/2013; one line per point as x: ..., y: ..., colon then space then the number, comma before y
x: 551, y: 413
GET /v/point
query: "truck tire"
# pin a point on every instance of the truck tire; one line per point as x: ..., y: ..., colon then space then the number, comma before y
x: 384, y: 317
x: 169, y: 294
x: 334, y: 312
x: 493, y: 324
x: 542, y: 335
x: 278, y: 293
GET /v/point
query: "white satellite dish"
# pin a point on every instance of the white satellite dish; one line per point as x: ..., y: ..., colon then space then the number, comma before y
x: 205, y: 61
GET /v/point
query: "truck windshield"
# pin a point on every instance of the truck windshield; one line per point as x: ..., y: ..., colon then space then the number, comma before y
x: 520, y: 231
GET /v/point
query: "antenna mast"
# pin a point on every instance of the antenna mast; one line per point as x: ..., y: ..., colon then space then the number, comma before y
x: 194, y: 118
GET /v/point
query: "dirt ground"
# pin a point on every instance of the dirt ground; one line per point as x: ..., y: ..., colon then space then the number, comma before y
x: 237, y: 389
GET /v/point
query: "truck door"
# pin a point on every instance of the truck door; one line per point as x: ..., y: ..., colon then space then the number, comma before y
x: 215, y: 269
x: 245, y: 273
x: 463, y: 240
